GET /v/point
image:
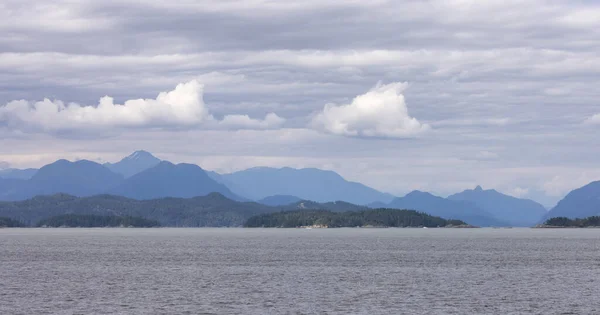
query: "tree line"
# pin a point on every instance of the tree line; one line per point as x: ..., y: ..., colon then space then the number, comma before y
x: 375, y: 218
x: 566, y: 222
x: 88, y: 220
x: 8, y: 222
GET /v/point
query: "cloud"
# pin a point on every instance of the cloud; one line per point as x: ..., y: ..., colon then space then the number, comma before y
x: 562, y: 184
x: 271, y: 121
x: 4, y: 165
x: 381, y: 112
x: 499, y: 122
x: 518, y: 192
x: 182, y: 107
x: 594, y: 120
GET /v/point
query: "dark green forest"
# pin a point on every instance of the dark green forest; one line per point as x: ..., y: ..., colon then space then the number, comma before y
x: 566, y: 222
x: 88, y: 220
x: 375, y: 218
x: 8, y: 222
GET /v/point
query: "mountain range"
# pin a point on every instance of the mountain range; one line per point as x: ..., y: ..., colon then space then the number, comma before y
x: 307, y: 183
x: 142, y: 176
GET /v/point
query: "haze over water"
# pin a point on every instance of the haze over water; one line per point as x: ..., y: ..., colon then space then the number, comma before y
x: 296, y: 271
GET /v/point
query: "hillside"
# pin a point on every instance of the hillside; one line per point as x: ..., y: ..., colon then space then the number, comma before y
x: 10, y: 223
x: 211, y: 210
x: 279, y: 200
x: 593, y: 221
x: 580, y: 203
x: 90, y: 220
x: 11, y: 188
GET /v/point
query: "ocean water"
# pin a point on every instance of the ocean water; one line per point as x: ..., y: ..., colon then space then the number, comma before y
x: 296, y: 271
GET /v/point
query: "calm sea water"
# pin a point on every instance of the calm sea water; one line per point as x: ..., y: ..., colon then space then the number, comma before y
x: 294, y: 271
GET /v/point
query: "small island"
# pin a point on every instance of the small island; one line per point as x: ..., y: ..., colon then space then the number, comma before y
x: 87, y: 221
x: 10, y: 223
x: 564, y: 222
x: 367, y: 218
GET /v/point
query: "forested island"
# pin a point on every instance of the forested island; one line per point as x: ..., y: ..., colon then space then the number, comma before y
x: 564, y: 222
x: 78, y: 220
x: 8, y: 222
x: 367, y: 218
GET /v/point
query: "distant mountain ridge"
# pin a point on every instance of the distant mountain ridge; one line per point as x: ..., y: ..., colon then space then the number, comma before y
x: 169, y: 180
x: 515, y: 211
x: 445, y: 208
x: 80, y: 178
x: 86, y: 178
x: 307, y: 183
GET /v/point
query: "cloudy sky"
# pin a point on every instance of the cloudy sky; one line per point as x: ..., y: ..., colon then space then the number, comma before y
x: 400, y: 95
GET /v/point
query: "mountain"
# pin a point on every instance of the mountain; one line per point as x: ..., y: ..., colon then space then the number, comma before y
x: 222, y: 179
x: 137, y: 162
x: 308, y: 183
x: 81, y: 178
x: 279, y: 200
x: 515, y: 211
x: 445, y: 208
x: 13, y: 173
x: 580, y: 203
x: 169, y: 180
x: 10, y: 188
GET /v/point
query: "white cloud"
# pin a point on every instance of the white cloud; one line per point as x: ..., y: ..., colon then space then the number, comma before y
x: 518, y: 192
x: 381, y: 112
x: 593, y: 120
x: 180, y: 108
x: 500, y: 122
x: 562, y: 184
x: 271, y: 121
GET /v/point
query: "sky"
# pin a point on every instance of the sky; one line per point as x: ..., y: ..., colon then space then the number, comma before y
x: 432, y: 95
